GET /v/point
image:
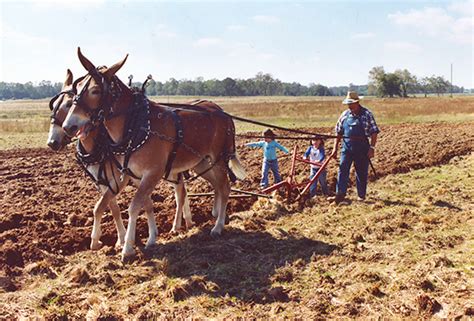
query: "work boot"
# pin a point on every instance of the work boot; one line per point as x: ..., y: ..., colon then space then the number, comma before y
x: 337, y: 199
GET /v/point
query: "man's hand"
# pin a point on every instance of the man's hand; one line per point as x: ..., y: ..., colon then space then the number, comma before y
x: 371, y: 153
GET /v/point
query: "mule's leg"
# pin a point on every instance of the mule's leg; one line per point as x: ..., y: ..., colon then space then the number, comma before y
x: 217, y: 176
x: 147, y: 184
x: 178, y: 195
x: 99, y: 209
x: 187, y: 210
x: 152, y: 229
x: 115, y: 209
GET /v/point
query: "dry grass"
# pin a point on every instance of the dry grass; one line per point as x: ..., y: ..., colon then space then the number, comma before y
x: 407, y: 252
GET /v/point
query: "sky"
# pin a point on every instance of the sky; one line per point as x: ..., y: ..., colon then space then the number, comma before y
x: 333, y: 43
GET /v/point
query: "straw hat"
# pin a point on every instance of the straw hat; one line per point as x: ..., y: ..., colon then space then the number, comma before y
x: 352, y: 97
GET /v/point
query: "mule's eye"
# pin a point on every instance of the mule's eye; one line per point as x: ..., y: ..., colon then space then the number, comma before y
x: 95, y: 92
x: 69, y: 104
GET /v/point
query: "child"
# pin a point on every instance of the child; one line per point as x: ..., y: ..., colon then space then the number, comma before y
x: 316, y: 154
x: 270, y: 160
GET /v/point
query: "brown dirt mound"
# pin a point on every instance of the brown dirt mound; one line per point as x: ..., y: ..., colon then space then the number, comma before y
x: 47, y: 200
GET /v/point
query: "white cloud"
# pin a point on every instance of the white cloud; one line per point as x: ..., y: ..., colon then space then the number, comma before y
x: 365, y: 35
x: 207, y: 42
x: 464, y: 8
x: 401, y: 46
x: 162, y: 31
x: 438, y: 22
x: 235, y: 27
x: 266, y: 19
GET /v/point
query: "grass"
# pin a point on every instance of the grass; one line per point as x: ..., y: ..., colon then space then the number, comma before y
x: 409, y: 245
x: 32, y: 116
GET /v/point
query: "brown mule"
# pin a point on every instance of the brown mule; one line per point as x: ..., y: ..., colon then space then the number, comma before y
x: 207, y: 146
x: 106, y: 172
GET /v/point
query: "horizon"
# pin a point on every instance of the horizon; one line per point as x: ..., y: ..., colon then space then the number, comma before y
x: 331, y: 43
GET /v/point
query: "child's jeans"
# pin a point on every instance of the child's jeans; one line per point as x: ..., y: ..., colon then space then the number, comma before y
x: 266, y: 167
x: 321, y: 179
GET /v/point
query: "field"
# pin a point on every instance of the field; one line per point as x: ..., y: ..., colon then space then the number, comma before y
x: 407, y: 252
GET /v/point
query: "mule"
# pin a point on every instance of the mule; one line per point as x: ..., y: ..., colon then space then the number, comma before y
x: 196, y: 140
x: 106, y: 170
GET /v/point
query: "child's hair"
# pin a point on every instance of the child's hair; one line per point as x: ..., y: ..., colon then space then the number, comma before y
x: 316, y: 139
x: 269, y: 134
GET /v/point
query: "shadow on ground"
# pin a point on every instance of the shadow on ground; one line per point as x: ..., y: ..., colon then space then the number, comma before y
x: 240, y: 263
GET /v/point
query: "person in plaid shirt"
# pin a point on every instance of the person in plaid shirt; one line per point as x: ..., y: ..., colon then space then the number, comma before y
x: 355, y: 124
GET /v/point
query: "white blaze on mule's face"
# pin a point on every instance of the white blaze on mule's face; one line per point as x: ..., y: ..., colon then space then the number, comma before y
x: 78, y: 122
x: 57, y: 138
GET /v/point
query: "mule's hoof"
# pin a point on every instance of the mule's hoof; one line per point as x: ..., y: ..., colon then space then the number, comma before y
x: 215, y: 233
x: 118, y: 245
x: 96, y: 245
x: 150, y: 244
x: 128, y: 254
x: 214, y: 213
x: 190, y: 224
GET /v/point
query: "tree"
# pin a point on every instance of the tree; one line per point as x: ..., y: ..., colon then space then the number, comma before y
x: 390, y: 85
x: 376, y: 74
x: 441, y: 85
x: 408, y: 82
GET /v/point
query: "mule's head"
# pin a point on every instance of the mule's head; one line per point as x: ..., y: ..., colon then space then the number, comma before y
x: 93, y: 97
x: 60, y: 105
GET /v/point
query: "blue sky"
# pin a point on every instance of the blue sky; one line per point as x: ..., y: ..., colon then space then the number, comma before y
x: 327, y: 42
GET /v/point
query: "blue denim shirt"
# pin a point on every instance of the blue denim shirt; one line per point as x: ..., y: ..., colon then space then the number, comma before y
x: 269, y: 149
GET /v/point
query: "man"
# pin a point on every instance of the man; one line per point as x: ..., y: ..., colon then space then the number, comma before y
x: 354, y: 126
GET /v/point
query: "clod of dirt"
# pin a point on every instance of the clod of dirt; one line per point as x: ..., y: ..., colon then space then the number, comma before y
x: 6, y: 284
x: 12, y: 255
x: 443, y: 261
x: 427, y: 285
x: 41, y: 267
x: 79, y: 275
x: 375, y: 291
x: 427, y: 304
x: 284, y: 274
x: 194, y: 286
x: 469, y: 311
x: 177, y: 292
x: 357, y: 238
x: 254, y: 224
x: 11, y: 222
x: 278, y: 294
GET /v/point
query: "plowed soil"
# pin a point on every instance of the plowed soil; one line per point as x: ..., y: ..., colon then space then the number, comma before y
x: 47, y: 200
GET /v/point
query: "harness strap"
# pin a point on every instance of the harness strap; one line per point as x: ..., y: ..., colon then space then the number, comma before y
x: 179, y: 139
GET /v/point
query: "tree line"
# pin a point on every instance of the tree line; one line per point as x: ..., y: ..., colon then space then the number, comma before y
x: 402, y: 83
x: 399, y: 83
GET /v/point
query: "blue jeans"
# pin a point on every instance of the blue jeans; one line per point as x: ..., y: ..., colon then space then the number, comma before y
x: 266, y: 167
x: 361, y: 164
x: 321, y: 179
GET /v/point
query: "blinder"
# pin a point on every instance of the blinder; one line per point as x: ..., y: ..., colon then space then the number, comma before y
x: 99, y: 114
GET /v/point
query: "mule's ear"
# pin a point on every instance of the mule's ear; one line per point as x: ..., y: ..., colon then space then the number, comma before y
x: 68, y: 81
x: 84, y: 61
x: 110, y: 72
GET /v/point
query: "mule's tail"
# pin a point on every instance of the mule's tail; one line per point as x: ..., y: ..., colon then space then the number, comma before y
x: 236, y: 167
x: 236, y: 170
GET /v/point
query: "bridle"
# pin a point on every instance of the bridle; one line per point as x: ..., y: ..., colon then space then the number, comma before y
x: 54, y: 109
x: 108, y: 89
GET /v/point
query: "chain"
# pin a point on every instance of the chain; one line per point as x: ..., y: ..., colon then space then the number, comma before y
x: 189, y: 149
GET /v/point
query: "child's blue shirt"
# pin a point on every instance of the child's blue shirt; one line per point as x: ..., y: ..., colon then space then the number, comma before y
x: 315, y: 155
x: 269, y: 149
